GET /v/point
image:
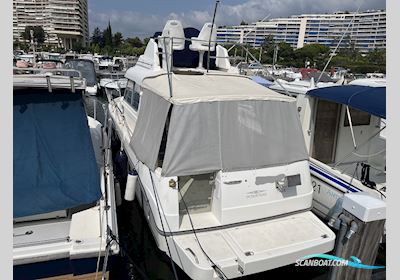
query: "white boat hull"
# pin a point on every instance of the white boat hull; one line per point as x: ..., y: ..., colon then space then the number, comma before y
x: 274, y: 243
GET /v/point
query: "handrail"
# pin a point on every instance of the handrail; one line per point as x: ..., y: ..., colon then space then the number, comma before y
x: 51, y: 82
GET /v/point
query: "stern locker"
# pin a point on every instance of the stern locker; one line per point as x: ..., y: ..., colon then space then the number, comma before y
x: 274, y: 243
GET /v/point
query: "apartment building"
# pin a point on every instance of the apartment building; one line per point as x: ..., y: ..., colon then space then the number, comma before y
x: 64, y: 22
x: 364, y: 31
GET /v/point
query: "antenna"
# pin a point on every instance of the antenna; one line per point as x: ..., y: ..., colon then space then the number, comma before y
x: 167, y: 63
x: 245, y: 35
x: 209, y: 40
x: 269, y: 73
x: 337, y: 46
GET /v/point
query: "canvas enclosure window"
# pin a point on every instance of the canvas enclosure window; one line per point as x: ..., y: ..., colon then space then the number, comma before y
x: 232, y: 135
x: 149, y: 128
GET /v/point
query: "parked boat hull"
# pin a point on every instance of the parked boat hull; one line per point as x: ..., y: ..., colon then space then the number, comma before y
x: 329, y: 187
x: 233, y: 252
x: 61, y: 267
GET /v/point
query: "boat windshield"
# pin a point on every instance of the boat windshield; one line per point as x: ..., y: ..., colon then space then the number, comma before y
x: 86, y: 67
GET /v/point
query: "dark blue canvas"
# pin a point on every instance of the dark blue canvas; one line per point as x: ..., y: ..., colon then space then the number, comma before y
x: 364, y: 98
x: 54, y: 162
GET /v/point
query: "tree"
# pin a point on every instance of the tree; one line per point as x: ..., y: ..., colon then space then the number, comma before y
x: 117, y: 39
x: 108, y: 50
x: 38, y: 34
x: 77, y: 46
x: 312, y: 51
x: 376, y: 57
x: 134, y: 42
x: 285, y: 53
x: 126, y: 49
x: 139, y: 51
x: 146, y: 41
x: 107, y: 34
x: 16, y: 43
x: 243, y: 22
x: 268, y: 46
x: 97, y: 37
x: 95, y: 48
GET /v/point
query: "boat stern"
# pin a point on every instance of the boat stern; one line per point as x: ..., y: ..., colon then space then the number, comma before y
x: 252, y: 248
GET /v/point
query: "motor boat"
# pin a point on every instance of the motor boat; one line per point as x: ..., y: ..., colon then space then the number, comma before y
x: 222, y: 169
x: 120, y: 63
x: 344, y: 133
x: 64, y: 209
x: 299, y: 87
x: 105, y: 62
x: 113, y: 83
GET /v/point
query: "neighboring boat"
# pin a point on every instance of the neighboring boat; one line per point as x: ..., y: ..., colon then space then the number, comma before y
x: 68, y: 56
x: 64, y: 203
x: 50, y: 56
x: 49, y: 63
x: 376, y: 75
x: 344, y: 132
x: 113, y: 83
x: 372, y: 82
x: 31, y: 58
x: 120, y: 63
x: 299, y: 87
x: 105, y: 62
x: 223, y: 173
x: 262, y: 81
x: 87, y: 68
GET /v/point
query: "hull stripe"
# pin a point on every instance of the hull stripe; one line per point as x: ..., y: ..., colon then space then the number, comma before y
x: 335, y: 180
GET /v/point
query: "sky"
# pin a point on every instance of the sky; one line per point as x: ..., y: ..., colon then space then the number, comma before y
x: 144, y: 17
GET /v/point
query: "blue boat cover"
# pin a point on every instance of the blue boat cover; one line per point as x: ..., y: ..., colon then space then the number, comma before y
x: 54, y: 161
x: 261, y: 81
x: 364, y: 98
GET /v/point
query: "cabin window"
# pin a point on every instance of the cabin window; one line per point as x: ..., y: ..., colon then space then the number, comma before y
x: 127, y: 96
x: 135, y: 100
x: 132, y: 95
x: 128, y: 91
x: 357, y: 118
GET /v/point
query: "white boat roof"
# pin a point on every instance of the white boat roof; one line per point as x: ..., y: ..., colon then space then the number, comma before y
x: 372, y: 82
x: 210, y: 87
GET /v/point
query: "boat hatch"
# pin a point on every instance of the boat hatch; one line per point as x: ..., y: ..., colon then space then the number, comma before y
x: 253, y: 248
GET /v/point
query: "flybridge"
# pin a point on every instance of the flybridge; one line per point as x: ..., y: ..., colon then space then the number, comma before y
x: 178, y: 47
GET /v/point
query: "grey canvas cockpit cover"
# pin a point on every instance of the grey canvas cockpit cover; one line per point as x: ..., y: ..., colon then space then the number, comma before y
x: 149, y: 128
x: 232, y: 135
